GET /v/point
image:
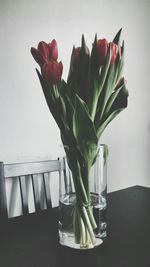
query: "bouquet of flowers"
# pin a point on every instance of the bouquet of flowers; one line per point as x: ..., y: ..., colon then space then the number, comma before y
x: 94, y: 93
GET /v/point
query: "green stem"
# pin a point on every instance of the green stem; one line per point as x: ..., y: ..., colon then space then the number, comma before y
x: 85, y: 177
x: 89, y: 226
x: 91, y: 217
x: 76, y: 226
x: 84, y: 222
x: 83, y: 232
x: 79, y: 186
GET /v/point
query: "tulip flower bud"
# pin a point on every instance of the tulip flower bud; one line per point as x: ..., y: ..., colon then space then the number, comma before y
x: 37, y: 56
x: 52, y: 72
x: 53, y: 50
x: 114, y: 52
x: 43, y: 49
x: 102, y: 48
x: 45, y: 52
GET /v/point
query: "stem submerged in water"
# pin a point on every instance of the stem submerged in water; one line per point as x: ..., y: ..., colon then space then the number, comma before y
x: 84, y: 222
x: 83, y: 229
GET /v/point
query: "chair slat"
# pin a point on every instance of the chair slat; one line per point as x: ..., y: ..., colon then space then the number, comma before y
x: 3, y: 201
x: 36, y: 192
x: 46, y: 177
x: 23, y: 191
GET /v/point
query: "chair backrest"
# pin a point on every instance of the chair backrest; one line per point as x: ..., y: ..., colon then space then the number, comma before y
x: 28, y: 170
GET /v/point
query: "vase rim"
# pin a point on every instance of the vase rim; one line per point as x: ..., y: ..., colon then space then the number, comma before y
x: 102, y: 144
x: 98, y: 146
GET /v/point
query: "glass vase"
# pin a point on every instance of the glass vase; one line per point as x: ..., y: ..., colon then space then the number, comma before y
x: 74, y: 230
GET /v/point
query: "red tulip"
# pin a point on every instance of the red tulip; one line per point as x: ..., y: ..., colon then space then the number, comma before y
x: 114, y: 52
x: 53, y: 49
x: 37, y: 56
x: 45, y: 52
x: 102, y: 48
x: 52, y: 72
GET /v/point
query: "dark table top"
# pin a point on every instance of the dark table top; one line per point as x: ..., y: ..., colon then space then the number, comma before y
x: 32, y: 241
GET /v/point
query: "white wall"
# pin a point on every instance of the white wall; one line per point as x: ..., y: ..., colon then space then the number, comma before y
x: 28, y: 130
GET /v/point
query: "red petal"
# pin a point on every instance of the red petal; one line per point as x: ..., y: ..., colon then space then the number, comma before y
x: 37, y: 56
x: 53, y: 54
x: 44, y: 49
x: 114, y: 52
x: 52, y: 72
x: 102, y: 47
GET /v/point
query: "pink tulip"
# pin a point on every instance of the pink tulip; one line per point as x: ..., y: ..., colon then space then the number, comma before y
x: 45, y: 52
x: 52, y: 72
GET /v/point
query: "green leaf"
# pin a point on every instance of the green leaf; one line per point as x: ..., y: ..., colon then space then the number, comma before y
x: 108, y: 87
x: 55, y: 105
x: 118, y: 105
x: 107, y: 121
x: 82, y: 81
x: 84, y: 49
x: 94, y: 59
x: 97, y: 85
x: 104, y: 70
x: 116, y: 40
x: 62, y: 107
x: 84, y: 132
x: 50, y: 99
x: 121, y: 61
x: 78, y: 79
x: 113, y: 97
x: 71, y: 74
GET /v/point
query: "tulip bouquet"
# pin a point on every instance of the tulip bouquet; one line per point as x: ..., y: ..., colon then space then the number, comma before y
x: 94, y: 93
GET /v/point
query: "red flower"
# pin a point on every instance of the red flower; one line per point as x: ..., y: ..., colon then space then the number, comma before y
x: 52, y: 72
x: 114, y: 52
x: 102, y: 48
x: 45, y: 52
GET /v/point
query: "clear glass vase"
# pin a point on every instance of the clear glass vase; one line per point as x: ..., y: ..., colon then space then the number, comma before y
x: 74, y: 229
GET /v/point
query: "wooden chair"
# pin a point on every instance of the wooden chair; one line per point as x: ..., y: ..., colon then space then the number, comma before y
x: 23, y: 171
